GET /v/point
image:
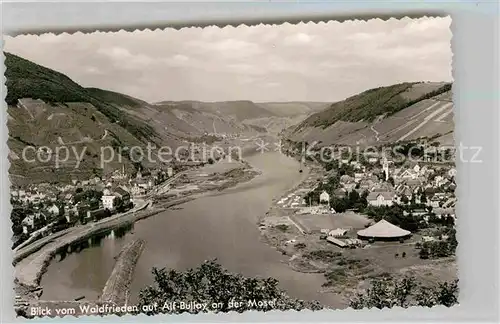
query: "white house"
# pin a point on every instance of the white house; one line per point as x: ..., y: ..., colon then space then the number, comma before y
x: 408, y: 174
x: 384, y: 198
x: 355, y: 164
x: 434, y: 201
x: 144, y: 183
x: 28, y: 220
x: 324, y: 197
x: 54, y: 210
x: 338, y: 232
x: 358, y: 177
x: 170, y: 172
x: 452, y: 172
x: 137, y: 190
x: 438, y: 180
x: 108, y: 201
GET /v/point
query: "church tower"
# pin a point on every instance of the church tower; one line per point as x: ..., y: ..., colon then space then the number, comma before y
x: 385, y: 166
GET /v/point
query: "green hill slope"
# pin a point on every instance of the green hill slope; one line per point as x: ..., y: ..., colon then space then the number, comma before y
x: 370, y: 104
x: 26, y: 79
x: 405, y: 111
x: 48, y: 109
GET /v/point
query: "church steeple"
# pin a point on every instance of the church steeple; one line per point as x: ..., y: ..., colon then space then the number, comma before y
x: 385, y: 166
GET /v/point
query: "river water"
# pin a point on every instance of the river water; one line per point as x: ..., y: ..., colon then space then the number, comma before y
x: 222, y: 226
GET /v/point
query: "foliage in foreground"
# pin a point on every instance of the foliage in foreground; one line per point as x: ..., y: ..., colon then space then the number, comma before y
x: 219, y: 289
x: 387, y: 292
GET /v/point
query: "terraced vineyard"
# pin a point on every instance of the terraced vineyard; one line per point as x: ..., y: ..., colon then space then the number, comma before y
x: 384, y: 115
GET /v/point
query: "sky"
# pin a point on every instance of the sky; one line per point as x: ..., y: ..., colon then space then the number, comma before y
x: 302, y: 62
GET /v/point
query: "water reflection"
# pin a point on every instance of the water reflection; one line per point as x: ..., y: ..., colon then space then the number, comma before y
x: 94, y: 241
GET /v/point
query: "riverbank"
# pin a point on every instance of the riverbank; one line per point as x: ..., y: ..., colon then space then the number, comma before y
x: 115, y: 293
x: 25, y: 251
x: 29, y: 269
x: 117, y: 288
x: 31, y: 262
x: 298, y: 235
x: 216, y: 225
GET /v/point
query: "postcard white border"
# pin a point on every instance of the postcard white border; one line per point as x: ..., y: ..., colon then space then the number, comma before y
x: 475, y: 63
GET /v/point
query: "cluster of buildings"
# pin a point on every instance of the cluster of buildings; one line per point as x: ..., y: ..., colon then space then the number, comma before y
x: 143, y: 181
x: 414, y: 184
x: 41, y: 206
x: 427, y: 189
x: 67, y: 207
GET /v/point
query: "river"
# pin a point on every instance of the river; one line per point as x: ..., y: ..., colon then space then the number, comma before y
x: 222, y: 226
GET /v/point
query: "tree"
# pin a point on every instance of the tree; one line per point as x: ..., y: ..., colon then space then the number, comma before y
x: 353, y: 197
x: 220, y: 289
x: 39, y: 222
x: 405, y: 292
x: 404, y: 199
x: 385, y: 293
x: 424, y: 252
x: 339, y: 205
x: 445, y: 294
x: 17, y: 216
x: 119, y: 205
x: 452, y: 240
x: 441, y: 248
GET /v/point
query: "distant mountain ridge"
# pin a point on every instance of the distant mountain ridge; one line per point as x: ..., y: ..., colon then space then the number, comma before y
x: 47, y: 108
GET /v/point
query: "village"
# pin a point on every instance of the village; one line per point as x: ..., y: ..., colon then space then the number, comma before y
x: 42, y: 209
x: 354, y: 219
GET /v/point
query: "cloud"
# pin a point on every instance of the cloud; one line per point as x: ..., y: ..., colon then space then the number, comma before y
x: 92, y: 70
x: 298, y: 39
x: 320, y: 62
x: 122, y: 57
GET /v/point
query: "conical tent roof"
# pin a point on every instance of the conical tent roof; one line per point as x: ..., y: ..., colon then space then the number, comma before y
x: 383, y: 229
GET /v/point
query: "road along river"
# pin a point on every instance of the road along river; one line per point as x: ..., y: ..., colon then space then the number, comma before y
x: 222, y: 226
